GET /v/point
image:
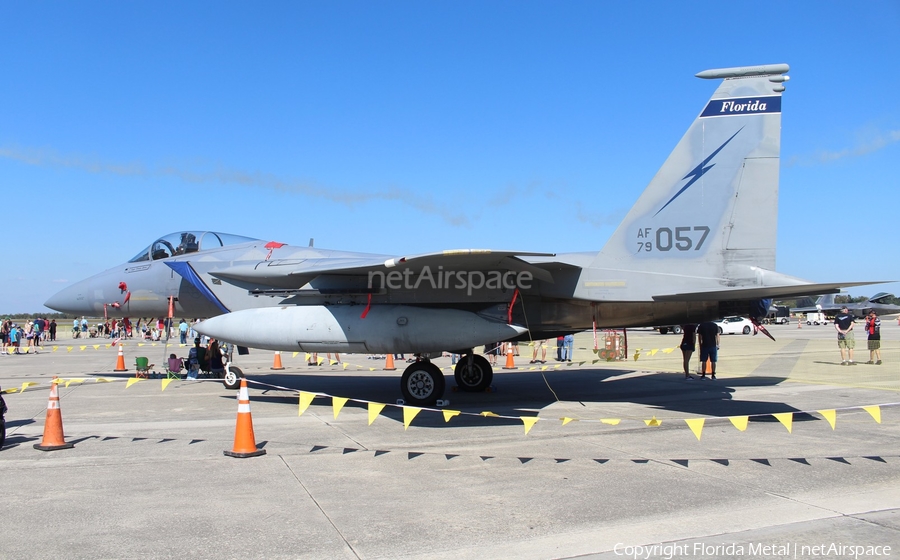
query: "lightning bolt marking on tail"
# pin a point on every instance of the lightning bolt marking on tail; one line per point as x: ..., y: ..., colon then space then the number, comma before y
x: 698, y: 171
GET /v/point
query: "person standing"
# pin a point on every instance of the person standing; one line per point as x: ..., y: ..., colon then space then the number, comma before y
x: 688, y: 347
x: 569, y: 342
x: 182, y: 331
x: 843, y: 324
x: 708, y: 336
x: 542, y: 345
x: 52, y: 330
x: 873, y: 329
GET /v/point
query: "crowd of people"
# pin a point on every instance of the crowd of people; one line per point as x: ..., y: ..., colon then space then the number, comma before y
x: 30, y: 334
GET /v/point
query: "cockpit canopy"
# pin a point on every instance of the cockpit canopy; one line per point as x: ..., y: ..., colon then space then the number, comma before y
x: 185, y: 242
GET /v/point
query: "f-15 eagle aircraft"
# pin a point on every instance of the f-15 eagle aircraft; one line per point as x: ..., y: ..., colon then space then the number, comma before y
x: 698, y: 245
x: 825, y: 304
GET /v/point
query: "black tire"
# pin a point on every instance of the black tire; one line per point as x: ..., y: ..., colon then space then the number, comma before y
x: 233, y: 376
x: 676, y: 329
x: 663, y: 330
x: 720, y: 330
x: 476, y: 379
x: 746, y: 330
x: 422, y: 384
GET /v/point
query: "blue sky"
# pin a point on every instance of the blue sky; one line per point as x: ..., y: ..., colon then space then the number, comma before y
x: 406, y: 127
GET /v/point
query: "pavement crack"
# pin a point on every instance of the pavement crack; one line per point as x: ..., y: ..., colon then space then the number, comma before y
x: 319, y: 507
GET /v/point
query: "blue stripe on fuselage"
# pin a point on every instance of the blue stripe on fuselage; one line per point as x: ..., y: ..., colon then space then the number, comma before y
x: 186, y: 271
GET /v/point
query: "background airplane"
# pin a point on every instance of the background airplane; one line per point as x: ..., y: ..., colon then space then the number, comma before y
x: 698, y: 245
x: 826, y: 305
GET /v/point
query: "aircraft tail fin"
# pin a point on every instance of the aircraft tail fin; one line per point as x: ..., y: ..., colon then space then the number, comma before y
x: 712, y: 207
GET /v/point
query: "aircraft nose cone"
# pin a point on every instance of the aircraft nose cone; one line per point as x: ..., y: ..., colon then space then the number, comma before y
x: 70, y: 300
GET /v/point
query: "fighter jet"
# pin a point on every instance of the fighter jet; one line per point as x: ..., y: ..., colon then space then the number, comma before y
x: 698, y: 245
x: 825, y: 304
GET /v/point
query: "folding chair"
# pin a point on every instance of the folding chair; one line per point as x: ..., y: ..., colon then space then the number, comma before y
x: 174, y: 367
x: 142, y: 367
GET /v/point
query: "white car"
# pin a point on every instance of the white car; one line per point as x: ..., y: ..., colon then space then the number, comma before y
x: 735, y: 325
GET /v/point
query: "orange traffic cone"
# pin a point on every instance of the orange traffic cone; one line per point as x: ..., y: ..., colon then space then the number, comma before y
x: 510, y: 361
x: 244, y: 441
x: 277, y: 364
x: 54, y: 438
x: 389, y: 363
x: 799, y: 323
x: 120, y: 361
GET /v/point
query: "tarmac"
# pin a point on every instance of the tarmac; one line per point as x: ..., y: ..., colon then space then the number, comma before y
x: 615, y: 468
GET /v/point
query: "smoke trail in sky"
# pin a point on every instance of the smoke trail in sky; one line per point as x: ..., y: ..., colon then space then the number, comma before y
x: 226, y: 176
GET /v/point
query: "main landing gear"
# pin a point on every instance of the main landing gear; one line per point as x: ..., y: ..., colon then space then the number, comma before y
x: 423, y: 383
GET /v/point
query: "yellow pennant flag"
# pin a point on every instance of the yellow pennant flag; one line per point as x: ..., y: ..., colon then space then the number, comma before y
x: 371, y: 369
x: 319, y: 361
x: 70, y: 381
x: 294, y: 355
x: 653, y: 422
x: 448, y: 414
x: 654, y: 351
x: 580, y: 364
x: 374, y: 410
x: 140, y: 344
x: 556, y: 366
x: 55, y: 348
x: 488, y: 413
x: 566, y: 420
x: 308, y: 356
x: 165, y: 383
x: 132, y: 381
x: 337, y: 403
x: 102, y: 380
x: 696, y: 425
x: 529, y: 422
x: 82, y: 348
x: 13, y: 390
x: 409, y: 412
x: 786, y: 418
x: 875, y: 411
x: 543, y: 368
x: 739, y: 422
x: 305, y: 400
x: 830, y: 415
x: 345, y: 365
x: 68, y: 348
x: 109, y: 346
x: 96, y: 347
x: 610, y: 421
x: 27, y: 384
x: 668, y: 350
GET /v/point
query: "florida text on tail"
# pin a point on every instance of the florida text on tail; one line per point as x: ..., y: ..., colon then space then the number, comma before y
x: 699, y: 244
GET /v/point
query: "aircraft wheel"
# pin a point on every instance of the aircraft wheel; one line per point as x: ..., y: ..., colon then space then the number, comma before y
x: 476, y: 378
x: 233, y: 377
x: 746, y: 330
x: 422, y: 384
x: 676, y: 329
x: 663, y: 330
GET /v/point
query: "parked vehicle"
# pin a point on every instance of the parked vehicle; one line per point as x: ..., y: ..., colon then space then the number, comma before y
x: 674, y: 329
x: 735, y: 325
x: 778, y: 315
x: 816, y: 319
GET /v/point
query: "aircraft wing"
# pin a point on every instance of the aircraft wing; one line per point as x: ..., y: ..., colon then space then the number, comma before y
x: 762, y: 292
x: 296, y: 273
